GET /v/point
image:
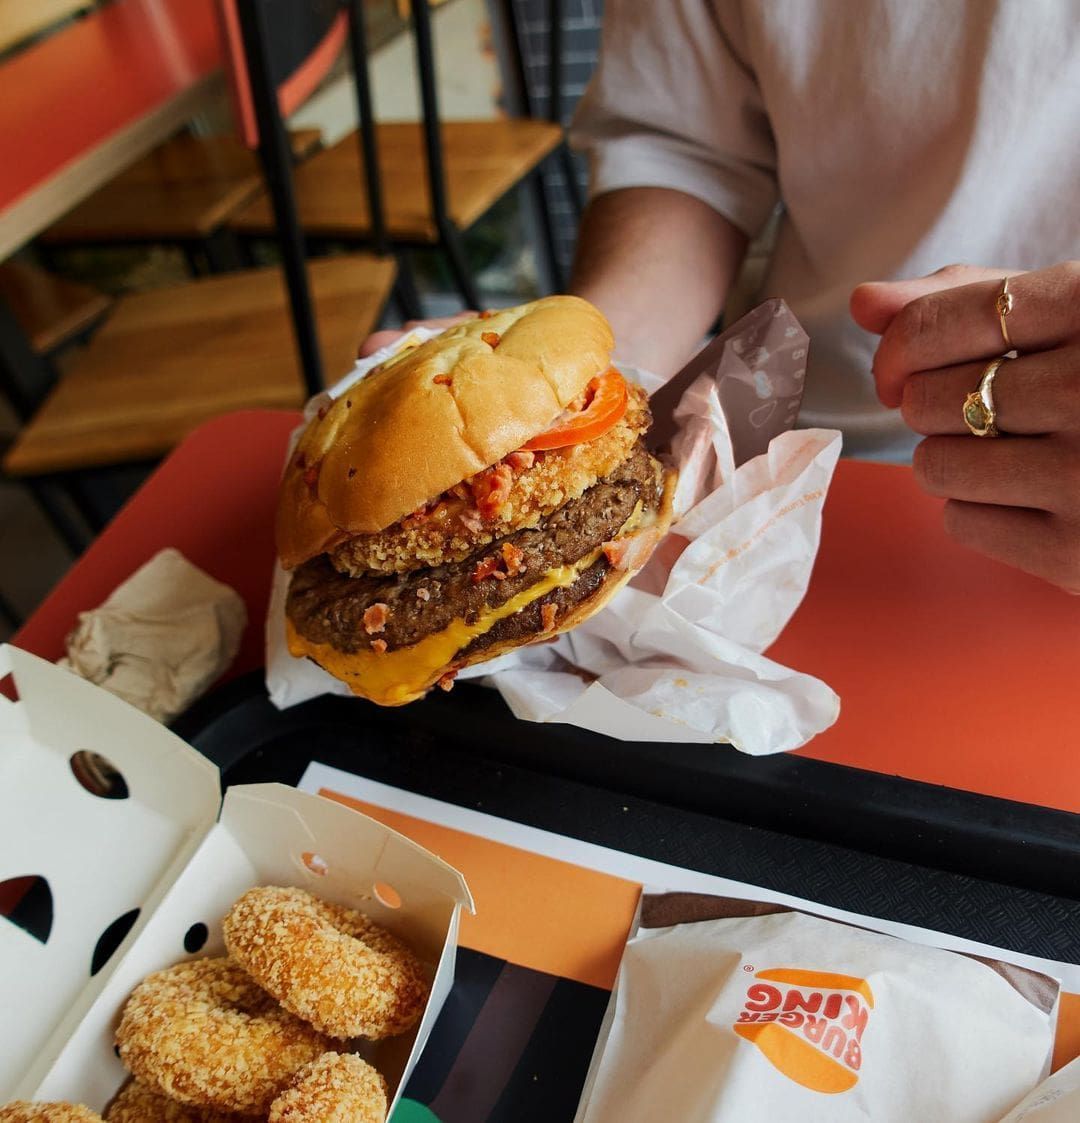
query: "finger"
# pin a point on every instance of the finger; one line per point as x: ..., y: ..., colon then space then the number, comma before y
x: 1037, y: 543
x: 376, y: 341
x: 1038, y: 472
x: 442, y: 321
x: 380, y: 339
x: 961, y: 325
x: 1037, y: 393
x: 874, y: 304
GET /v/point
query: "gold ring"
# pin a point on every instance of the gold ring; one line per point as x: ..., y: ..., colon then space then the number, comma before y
x: 1003, y: 305
x: 979, y: 415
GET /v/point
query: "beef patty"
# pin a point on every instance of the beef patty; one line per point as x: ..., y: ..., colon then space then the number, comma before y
x: 326, y: 606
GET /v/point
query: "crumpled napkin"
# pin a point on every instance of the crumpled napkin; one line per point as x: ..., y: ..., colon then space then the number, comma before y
x: 161, y: 638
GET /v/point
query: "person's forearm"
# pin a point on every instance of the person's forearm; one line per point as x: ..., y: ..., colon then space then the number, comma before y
x: 658, y: 263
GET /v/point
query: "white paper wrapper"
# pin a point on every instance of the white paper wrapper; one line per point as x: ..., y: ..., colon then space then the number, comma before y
x: 1055, y: 1100
x: 676, y: 655
x: 793, y: 1017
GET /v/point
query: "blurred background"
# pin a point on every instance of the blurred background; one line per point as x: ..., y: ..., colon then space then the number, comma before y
x: 143, y: 251
x: 481, y: 74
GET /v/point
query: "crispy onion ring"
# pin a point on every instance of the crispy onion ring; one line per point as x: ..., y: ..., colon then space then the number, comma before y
x: 22, y: 1111
x: 203, y: 1033
x: 139, y: 1103
x: 337, y: 1088
x: 329, y: 965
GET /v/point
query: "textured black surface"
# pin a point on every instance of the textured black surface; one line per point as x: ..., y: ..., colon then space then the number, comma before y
x: 650, y: 800
x: 542, y: 1075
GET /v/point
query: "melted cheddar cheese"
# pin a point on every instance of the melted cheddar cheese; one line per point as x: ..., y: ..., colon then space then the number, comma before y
x: 392, y: 678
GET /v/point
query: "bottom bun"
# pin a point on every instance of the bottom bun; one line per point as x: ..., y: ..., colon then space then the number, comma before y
x: 394, y: 678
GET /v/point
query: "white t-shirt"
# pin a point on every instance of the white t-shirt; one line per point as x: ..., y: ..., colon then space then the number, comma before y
x: 900, y: 136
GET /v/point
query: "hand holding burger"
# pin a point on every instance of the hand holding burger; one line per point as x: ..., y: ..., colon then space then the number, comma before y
x: 474, y: 493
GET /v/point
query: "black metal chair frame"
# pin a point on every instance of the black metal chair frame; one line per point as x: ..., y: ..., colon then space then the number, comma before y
x: 450, y: 240
x: 25, y: 378
x: 450, y: 236
x: 277, y: 168
x: 554, y: 109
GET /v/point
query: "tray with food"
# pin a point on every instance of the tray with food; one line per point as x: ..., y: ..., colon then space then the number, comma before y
x: 246, y: 957
x: 555, y: 865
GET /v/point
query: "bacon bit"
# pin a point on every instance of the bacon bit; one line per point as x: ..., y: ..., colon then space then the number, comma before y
x: 447, y: 681
x: 615, y: 551
x: 378, y: 646
x: 491, y: 489
x: 548, y: 612
x: 632, y: 551
x: 375, y: 618
x: 640, y: 546
x: 470, y: 519
x: 311, y: 476
x: 491, y: 338
x: 488, y: 567
x: 423, y: 594
x: 486, y: 314
x: 521, y: 459
x: 323, y: 411
x: 420, y: 515
x: 443, y: 380
x: 514, y: 559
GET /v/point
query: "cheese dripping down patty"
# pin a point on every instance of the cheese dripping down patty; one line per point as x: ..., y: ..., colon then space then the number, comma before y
x: 392, y: 678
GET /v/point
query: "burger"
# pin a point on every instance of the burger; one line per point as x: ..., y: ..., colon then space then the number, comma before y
x: 482, y: 490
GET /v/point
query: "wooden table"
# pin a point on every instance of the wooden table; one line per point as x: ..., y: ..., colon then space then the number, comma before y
x: 83, y: 104
x: 951, y: 669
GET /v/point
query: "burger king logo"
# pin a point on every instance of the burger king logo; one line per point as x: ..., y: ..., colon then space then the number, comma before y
x: 809, y: 1025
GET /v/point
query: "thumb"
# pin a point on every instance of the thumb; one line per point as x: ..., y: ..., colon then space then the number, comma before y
x: 875, y: 304
x: 376, y: 341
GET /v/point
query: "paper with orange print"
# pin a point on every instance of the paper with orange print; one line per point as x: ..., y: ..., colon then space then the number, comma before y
x: 531, y: 910
x: 563, y: 918
x: 778, y: 1014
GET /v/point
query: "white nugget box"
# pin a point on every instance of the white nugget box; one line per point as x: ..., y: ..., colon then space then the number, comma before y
x: 114, y: 863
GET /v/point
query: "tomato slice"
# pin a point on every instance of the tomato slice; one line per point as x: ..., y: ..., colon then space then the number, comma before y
x: 605, y: 405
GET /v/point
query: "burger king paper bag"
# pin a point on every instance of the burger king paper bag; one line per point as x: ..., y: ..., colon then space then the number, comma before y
x: 677, y: 654
x: 758, y: 1012
x: 1056, y: 1100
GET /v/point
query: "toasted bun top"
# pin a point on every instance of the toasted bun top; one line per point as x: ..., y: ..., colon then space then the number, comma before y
x: 397, y: 438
